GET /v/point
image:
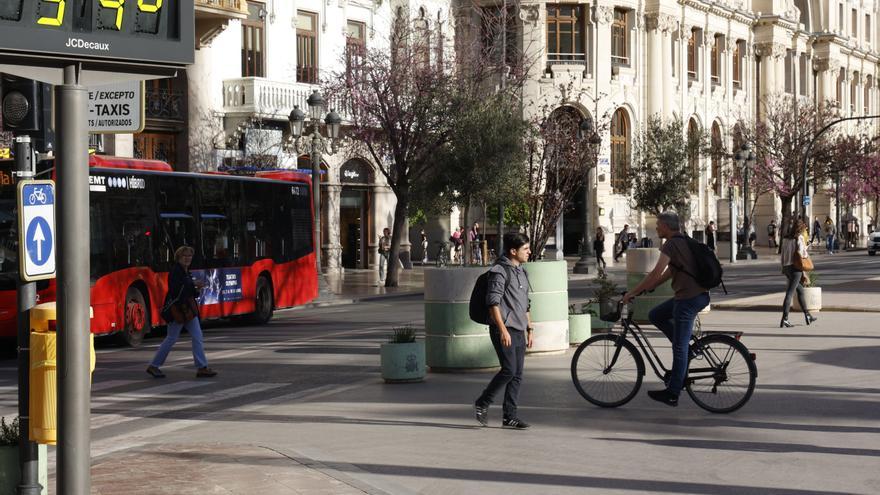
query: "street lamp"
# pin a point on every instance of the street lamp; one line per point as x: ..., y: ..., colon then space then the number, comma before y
x: 745, y: 158
x: 586, y: 130
x: 316, y: 145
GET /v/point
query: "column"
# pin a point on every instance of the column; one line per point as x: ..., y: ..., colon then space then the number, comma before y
x: 668, y: 79
x: 602, y: 50
x: 332, y: 246
x: 655, y: 61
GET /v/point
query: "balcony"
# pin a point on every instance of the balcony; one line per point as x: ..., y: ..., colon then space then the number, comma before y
x: 165, y: 105
x: 273, y: 100
x: 212, y: 17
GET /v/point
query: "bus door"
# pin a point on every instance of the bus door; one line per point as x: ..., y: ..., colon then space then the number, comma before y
x: 177, y: 220
x: 221, y: 227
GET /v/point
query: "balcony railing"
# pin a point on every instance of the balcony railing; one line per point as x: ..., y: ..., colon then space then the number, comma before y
x: 272, y: 99
x: 232, y: 6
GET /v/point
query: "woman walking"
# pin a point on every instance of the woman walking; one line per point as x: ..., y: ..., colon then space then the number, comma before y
x: 181, y: 310
x: 599, y: 248
x: 793, y: 246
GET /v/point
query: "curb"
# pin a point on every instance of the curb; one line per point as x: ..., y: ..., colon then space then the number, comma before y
x: 778, y: 307
x: 342, y: 301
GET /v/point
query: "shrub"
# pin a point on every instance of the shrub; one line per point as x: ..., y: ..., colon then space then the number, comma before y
x: 403, y: 335
x: 8, y: 432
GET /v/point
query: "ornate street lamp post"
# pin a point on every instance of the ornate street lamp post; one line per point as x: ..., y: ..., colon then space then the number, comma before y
x: 745, y: 158
x: 316, y: 145
x: 587, y: 131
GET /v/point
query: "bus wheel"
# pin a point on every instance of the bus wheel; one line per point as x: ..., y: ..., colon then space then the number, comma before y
x: 137, y: 318
x: 264, y: 304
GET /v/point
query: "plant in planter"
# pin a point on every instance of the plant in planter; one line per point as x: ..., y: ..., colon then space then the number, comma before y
x: 605, y: 290
x: 9, y: 470
x: 403, y: 356
x: 812, y: 294
x: 578, y: 324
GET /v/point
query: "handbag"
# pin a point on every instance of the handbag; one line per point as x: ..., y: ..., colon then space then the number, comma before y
x: 801, y: 264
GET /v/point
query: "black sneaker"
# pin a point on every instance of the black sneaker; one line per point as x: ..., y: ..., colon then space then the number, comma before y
x: 664, y: 396
x: 482, y: 414
x: 515, y: 423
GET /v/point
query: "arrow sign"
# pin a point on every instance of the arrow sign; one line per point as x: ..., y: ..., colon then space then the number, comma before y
x: 36, y: 207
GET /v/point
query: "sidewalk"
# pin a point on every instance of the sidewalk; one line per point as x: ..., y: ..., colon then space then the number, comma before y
x: 850, y: 297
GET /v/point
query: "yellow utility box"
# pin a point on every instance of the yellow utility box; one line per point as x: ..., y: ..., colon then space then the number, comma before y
x: 43, y: 377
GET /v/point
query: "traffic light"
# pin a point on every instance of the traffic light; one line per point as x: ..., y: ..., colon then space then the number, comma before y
x: 27, y: 109
x: 25, y: 104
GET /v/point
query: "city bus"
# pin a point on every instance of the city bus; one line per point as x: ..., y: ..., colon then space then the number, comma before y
x: 252, y: 237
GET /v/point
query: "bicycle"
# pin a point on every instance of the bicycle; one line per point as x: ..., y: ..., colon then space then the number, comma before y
x: 37, y: 196
x: 442, y: 257
x: 607, y: 369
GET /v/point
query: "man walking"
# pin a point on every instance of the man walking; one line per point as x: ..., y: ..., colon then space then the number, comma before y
x: 622, y: 242
x: 675, y: 317
x: 510, y: 329
x: 384, y: 253
x: 817, y: 232
x: 771, y: 233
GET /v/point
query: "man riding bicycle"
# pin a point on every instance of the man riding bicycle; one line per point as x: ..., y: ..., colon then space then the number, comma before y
x: 675, y: 317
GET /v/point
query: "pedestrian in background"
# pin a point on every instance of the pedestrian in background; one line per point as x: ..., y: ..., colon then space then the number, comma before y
x: 771, y: 233
x: 793, y: 246
x: 424, y: 247
x: 710, y: 235
x: 181, y: 311
x: 384, y: 253
x: 830, y: 232
x: 510, y: 329
x: 752, y: 236
x: 817, y: 231
x: 475, y: 238
x: 599, y: 248
x: 621, y: 243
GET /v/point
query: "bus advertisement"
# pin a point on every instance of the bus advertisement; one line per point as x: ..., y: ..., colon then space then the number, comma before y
x: 252, y: 237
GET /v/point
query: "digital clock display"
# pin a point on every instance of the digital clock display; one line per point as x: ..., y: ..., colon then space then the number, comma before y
x: 158, y: 32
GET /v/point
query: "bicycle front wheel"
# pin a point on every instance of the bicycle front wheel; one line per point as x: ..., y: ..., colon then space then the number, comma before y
x: 721, y: 374
x: 607, y: 370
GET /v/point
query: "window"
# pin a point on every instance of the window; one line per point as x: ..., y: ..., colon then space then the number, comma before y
x: 220, y: 216
x: 422, y: 41
x: 441, y: 41
x: 619, y: 152
x: 841, y: 78
x: 717, y: 147
x: 738, y: 51
x: 853, y: 93
x: 693, y: 155
x: 802, y: 74
x: 253, y: 43
x: 565, y: 33
x: 866, y: 98
x: 177, y: 227
x: 620, y: 37
x: 355, y: 48
x: 854, y: 25
x: 716, y: 60
x: 693, y: 54
x: 789, y: 71
x: 307, y: 47
x: 840, y: 19
x: 674, y: 50
x: 497, y: 43
x: 868, y: 28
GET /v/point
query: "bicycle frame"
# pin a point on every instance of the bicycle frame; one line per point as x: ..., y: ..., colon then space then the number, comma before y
x: 654, y: 360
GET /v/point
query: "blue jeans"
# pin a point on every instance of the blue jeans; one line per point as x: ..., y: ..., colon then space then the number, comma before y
x: 675, y: 318
x: 829, y: 243
x: 198, y: 345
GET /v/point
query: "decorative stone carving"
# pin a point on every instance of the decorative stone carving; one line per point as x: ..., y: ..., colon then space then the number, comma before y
x: 684, y: 31
x: 825, y: 64
x: 604, y: 15
x: 662, y: 22
x: 730, y: 45
x: 772, y: 50
x: 530, y: 13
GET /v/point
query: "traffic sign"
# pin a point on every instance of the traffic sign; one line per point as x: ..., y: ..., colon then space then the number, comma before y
x: 117, y: 108
x: 36, y: 239
x: 806, y: 201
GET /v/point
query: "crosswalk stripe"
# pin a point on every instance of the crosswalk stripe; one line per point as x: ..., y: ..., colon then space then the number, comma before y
x: 160, y: 391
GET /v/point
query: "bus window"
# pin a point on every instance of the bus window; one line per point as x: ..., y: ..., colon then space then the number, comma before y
x: 177, y: 225
x: 258, y: 220
x: 8, y: 239
x: 301, y: 214
x: 220, y: 217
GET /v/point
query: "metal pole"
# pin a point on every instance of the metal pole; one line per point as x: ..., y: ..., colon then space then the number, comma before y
x: 732, y: 200
x: 315, y: 155
x: 836, y: 206
x: 28, y: 454
x: 500, y: 241
x: 74, y: 388
x: 499, y: 251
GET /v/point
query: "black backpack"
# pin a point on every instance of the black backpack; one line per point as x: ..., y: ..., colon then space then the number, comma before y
x: 478, y: 310
x: 709, y: 272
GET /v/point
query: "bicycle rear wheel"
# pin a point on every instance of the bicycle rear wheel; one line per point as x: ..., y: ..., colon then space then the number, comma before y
x: 721, y: 375
x: 607, y: 370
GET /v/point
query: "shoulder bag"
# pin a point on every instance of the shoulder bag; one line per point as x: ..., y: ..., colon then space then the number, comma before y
x: 800, y: 264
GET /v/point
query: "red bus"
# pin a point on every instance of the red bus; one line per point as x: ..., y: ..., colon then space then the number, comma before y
x: 252, y: 238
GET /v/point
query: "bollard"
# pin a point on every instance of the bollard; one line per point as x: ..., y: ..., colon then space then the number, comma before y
x: 43, y: 374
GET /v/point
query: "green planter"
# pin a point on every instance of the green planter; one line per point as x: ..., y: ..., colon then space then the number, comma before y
x: 549, y: 299
x: 578, y: 328
x: 9, y: 471
x: 595, y: 322
x: 403, y: 363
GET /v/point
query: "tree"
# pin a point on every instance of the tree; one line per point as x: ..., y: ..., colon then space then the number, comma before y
x: 402, y: 103
x: 558, y: 156
x: 780, y: 140
x: 661, y: 174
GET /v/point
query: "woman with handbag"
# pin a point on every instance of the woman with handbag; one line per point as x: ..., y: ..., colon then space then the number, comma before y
x: 795, y: 262
x: 181, y: 310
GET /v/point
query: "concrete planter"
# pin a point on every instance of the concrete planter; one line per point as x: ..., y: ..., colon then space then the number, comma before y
x: 452, y: 341
x: 404, y: 362
x: 578, y: 328
x: 639, y: 262
x: 812, y: 298
x: 549, y: 297
x: 9, y: 472
x: 595, y: 322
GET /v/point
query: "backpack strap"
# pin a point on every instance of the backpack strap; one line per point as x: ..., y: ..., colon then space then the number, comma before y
x: 688, y: 273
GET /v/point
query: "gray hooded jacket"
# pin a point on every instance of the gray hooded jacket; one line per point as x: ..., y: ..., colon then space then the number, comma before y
x: 514, y: 302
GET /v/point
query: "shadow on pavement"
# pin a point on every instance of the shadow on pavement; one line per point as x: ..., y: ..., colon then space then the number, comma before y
x: 858, y: 358
x: 780, y: 448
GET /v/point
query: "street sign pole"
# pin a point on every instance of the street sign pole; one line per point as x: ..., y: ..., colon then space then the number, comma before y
x: 28, y: 453
x: 74, y: 388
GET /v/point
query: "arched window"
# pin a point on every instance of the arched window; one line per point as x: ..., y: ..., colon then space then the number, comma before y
x: 866, y: 98
x: 619, y: 151
x: 717, y: 146
x: 694, y: 156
